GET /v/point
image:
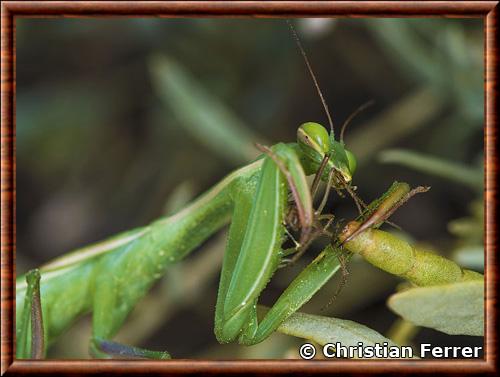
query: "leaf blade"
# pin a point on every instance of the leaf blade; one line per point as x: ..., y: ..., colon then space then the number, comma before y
x: 455, y: 309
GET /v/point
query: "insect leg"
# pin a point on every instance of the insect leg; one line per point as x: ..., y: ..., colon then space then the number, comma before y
x: 300, y: 291
x: 107, y: 349
x: 253, y: 251
x: 318, y: 175
x: 289, y: 165
x: 397, y: 195
x: 32, y: 313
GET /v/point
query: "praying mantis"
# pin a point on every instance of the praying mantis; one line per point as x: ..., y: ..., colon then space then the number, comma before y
x: 110, y: 277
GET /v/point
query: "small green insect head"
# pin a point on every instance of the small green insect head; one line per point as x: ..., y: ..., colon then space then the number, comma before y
x: 315, y: 142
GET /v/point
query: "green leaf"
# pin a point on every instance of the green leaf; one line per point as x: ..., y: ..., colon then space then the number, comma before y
x: 471, y: 177
x: 323, y: 330
x: 203, y: 115
x: 455, y: 309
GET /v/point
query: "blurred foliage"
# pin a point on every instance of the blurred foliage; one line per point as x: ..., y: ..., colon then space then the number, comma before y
x: 455, y: 173
x: 442, y: 307
x: 212, y: 123
x: 115, y: 116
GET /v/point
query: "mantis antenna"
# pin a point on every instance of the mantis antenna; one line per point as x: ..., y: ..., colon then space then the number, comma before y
x: 309, y: 68
x: 352, y: 116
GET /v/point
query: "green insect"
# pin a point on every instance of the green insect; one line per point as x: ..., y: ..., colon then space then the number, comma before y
x: 110, y: 277
x: 420, y: 267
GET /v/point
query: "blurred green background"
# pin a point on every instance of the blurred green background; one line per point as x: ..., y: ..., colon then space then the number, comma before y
x: 120, y: 121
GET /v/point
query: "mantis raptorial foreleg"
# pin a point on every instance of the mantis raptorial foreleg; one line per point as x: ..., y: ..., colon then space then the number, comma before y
x: 252, y: 256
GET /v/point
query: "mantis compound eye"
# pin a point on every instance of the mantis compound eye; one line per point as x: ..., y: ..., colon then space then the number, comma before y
x: 352, y: 162
x: 313, y: 139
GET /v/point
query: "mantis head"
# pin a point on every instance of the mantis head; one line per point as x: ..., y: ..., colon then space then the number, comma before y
x: 315, y: 142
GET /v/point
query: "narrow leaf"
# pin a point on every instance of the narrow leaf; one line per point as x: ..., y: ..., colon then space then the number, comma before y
x: 459, y: 173
x: 205, y: 117
x: 323, y: 330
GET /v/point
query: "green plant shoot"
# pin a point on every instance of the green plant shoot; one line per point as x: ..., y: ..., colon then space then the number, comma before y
x: 394, y: 255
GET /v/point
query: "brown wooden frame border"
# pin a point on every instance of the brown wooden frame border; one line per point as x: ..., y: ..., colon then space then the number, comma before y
x: 10, y: 10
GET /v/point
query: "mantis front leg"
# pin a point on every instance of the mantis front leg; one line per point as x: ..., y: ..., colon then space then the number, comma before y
x: 254, y: 252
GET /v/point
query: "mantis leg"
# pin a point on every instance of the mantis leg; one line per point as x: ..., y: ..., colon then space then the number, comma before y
x: 107, y: 349
x: 121, y: 279
x: 226, y: 331
x: 32, y: 314
x: 299, y: 292
x: 111, y: 305
x: 254, y: 252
